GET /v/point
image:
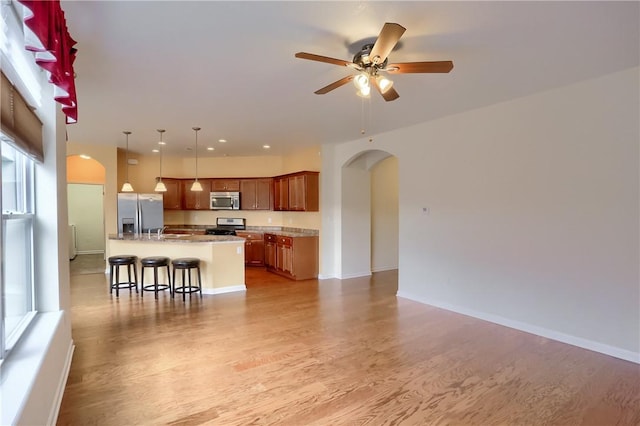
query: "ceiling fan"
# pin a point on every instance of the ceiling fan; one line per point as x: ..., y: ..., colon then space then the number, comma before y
x: 372, y: 59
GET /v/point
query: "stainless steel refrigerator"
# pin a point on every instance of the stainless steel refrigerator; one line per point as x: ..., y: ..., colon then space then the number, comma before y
x: 140, y: 213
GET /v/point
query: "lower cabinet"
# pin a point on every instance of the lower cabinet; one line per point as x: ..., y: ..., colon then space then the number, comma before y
x: 292, y: 257
x: 270, y: 248
x: 254, y: 248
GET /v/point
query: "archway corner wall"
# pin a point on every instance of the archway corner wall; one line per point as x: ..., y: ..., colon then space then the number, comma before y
x: 346, y: 212
x: 107, y: 156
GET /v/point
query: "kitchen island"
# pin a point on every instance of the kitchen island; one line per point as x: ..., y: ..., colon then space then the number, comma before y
x: 221, y: 256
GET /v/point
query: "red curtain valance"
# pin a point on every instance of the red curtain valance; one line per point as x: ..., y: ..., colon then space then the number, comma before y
x: 53, y: 46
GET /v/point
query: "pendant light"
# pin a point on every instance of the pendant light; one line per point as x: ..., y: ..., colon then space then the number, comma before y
x: 160, y: 186
x: 126, y: 187
x: 197, y: 186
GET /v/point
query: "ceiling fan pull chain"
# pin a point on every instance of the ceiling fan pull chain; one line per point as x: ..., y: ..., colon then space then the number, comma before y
x: 362, y: 116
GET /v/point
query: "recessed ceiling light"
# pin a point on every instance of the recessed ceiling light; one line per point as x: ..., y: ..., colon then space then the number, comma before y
x: 222, y: 140
x: 210, y: 148
x: 85, y: 157
x: 162, y: 143
x: 266, y: 146
x: 155, y: 150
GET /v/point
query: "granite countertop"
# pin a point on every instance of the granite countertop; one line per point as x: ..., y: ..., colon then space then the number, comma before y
x: 277, y: 230
x: 176, y: 238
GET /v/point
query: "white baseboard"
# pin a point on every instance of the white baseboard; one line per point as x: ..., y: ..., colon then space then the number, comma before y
x: 90, y: 252
x: 580, y: 342
x: 57, y: 402
x: 221, y: 290
x: 355, y: 275
x: 384, y: 268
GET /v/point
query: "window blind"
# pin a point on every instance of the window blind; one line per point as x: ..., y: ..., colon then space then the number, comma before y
x: 19, y: 121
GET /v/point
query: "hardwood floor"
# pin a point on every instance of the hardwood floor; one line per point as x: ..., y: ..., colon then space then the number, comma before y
x: 325, y: 353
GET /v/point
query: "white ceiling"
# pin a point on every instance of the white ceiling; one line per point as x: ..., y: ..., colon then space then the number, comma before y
x: 229, y: 67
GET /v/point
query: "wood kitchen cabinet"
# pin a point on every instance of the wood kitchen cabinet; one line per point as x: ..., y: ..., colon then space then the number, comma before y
x: 270, y: 247
x: 199, y: 200
x: 254, y: 248
x: 256, y: 194
x: 281, y: 193
x: 297, y: 192
x: 172, y: 198
x: 292, y: 257
x: 225, y: 185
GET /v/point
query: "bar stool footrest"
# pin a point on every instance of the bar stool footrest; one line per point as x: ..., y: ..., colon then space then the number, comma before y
x: 186, y: 289
x: 124, y: 284
x: 152, y: 287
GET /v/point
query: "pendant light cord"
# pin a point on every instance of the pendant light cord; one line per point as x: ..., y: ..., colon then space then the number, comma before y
x: 161, y: 131
x: 196, y: 130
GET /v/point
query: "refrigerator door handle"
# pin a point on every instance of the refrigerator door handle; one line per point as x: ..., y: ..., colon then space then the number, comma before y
x: 138, y: 219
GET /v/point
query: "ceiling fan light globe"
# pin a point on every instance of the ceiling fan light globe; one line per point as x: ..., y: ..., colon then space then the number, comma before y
x: 364, y: 92
x: 384, y: 83
x: 361, y: 81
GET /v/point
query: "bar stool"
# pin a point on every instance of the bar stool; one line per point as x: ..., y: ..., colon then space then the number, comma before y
x: 186, y: 264
x: 115, y: 262
x: 154, y: 262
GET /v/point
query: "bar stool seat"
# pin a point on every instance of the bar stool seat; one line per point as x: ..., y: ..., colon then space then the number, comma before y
x: 155, y: 262
x: 186, y: 265
x: 115, y: 262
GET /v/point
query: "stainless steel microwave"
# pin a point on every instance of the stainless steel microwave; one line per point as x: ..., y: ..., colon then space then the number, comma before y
x: 225, y: 201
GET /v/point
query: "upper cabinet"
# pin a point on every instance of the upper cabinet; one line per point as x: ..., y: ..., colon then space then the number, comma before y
x: 256, y: 194
x: 291, y: 192
x: 297, y: 192
x: 172, y: 199
x: 281, y: 193
x: 196, y: 200
x: 225, y: 185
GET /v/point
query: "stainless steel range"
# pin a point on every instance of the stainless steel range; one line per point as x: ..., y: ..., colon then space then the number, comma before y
x: 227, y: 226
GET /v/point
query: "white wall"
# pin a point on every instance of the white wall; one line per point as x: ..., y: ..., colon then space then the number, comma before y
x: 533, y: 212
x: 384, y: 215
x: 86, y: 212
x: 356, y: 219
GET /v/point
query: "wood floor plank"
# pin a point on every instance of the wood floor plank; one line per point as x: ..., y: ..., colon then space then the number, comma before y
x: 324, y: 352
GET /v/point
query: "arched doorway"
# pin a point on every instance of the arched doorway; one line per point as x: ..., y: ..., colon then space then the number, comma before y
x: 369, y: 213
x: 85, y: 193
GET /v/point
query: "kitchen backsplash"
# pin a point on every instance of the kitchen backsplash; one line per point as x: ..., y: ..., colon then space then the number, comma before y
x: 307, y: 220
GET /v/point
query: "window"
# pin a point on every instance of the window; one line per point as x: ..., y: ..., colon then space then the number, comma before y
x: 18, y: 307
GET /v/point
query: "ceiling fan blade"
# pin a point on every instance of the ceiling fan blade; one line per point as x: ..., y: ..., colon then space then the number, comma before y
x: 319, y: 58
x: 387, y: 40
x: 334, y: 85
x: 420, y: 67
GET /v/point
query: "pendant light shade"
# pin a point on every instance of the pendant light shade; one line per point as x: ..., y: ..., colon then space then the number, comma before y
x: 160, y: 186
x: 197, y: 186
x: 126, y: 187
